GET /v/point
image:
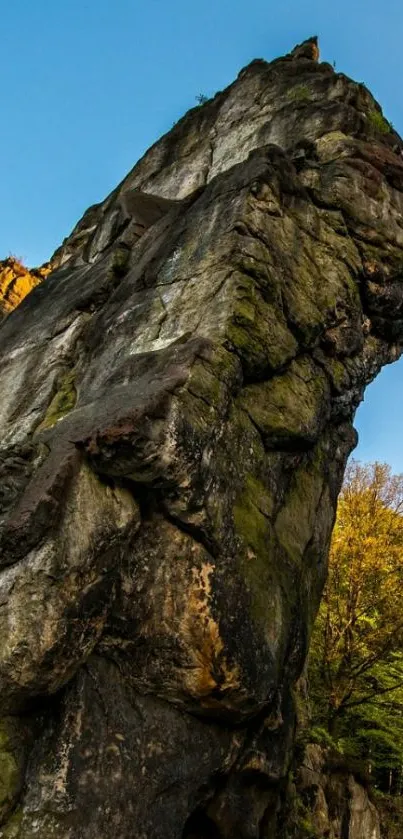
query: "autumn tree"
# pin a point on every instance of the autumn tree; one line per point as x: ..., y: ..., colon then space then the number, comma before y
x: 356, y: 648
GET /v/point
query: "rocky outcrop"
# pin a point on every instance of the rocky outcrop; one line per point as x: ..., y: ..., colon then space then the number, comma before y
x: 177, y: 409
x: 16, y: 281
x: 328, y: 802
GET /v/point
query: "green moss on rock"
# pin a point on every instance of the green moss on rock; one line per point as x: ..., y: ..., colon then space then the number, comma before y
x: 120, y: 260
x: 251, y: 514
x: 300, y: 93
x: 338, y: 374
x: 378, y: 122
x: 214, y: 377
x: 63, y: 401
x: 253, y: 528
x: 289, y: 410
x: 257, y: 331
x: 310, y: 301
x: 295, y: 522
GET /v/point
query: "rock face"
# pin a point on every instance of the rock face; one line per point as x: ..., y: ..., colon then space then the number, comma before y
x: 16, y: 281
x: 331, y: 803
x: 177, y: 406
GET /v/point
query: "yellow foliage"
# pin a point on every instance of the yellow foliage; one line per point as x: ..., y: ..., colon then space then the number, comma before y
x: 360, y: 622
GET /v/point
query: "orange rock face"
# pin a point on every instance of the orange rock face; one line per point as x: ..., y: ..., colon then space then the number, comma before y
x: 16, y: 281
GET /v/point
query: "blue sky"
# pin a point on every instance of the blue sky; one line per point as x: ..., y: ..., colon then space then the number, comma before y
x: 88, y: 85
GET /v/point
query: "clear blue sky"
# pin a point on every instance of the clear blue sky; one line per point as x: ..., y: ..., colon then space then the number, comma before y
x: 88, y: 85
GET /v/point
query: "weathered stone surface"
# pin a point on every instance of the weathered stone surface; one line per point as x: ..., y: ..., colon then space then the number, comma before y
x: 330, y: 802
x: 177, y: 407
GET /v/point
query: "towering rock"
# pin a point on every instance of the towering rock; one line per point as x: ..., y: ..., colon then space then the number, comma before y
x: 177, y: 407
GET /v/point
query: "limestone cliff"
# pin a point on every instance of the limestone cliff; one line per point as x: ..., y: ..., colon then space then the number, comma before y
x: 16, y: 281
x: 177, y: 407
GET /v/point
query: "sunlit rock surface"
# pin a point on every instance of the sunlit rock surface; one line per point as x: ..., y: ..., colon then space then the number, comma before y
x: 16, y: 281
x: 176, y: 414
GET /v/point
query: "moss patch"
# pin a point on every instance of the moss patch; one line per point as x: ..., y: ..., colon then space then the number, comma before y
x: 213, y: 378
x: 120, y: 260
x: 257, y: 331
x: 63, y: 401
x: 338, y: 374
x: 295, y: 522
x: 378, y: 122
x: 289, y: 410
x: 300, y: 93
x: 251, y: 515
x: 255, y: 558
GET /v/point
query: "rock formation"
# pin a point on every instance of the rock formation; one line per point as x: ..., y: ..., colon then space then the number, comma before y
x: 328, y: 802
x: 16, y: 281
x: 177, y: 407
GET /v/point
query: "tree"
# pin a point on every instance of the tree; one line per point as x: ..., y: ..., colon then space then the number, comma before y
x: 372, y: 733
x: 358, y: 635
